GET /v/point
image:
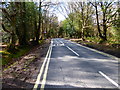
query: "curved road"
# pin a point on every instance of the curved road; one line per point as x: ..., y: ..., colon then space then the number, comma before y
x: 73, y: 66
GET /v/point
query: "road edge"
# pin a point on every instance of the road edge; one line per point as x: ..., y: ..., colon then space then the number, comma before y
x: 100, y: 52
x: 41, y: 70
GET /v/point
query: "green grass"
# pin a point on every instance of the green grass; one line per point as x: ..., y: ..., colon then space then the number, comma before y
x: 66, y: 38
x: 110, y: 40
x: 41, y: 41
x: 7, y: 57
x: 93, y: 39
x: 20, y: 52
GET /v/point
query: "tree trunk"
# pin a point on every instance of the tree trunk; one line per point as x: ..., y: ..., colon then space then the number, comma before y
x: 24, y: 39
x: 11, y: 47
x: 83, y: 21
x: 104, y: 26
x: 80, y: 28
x: 39, y: 24
x: 23, y: 36
x: 98, y: 26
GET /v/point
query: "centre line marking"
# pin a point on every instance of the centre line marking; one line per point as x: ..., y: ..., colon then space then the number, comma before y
x: 72, y: 51
x: 46, y: 70
x: 41, y: 70
x: 113, y: 82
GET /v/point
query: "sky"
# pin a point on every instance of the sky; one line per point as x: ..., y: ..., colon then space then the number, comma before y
x: 58, y: 11
x: 60, y: 16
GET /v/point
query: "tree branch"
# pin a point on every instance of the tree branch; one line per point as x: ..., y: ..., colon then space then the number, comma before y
x: 5, y: 29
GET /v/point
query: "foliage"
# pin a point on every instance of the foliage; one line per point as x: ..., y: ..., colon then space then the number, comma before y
x: 23, y: 26
x: 27, y: 23
x: 7, y: 57
x: 21, y: 22
x: 91, y: 20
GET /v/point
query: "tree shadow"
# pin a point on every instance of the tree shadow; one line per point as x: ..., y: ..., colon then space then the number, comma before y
x: 16, y: 84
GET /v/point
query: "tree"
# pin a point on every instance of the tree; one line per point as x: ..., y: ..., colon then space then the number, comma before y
x: 9, y: 17
x: 79, y: 18
x: 108, y: 14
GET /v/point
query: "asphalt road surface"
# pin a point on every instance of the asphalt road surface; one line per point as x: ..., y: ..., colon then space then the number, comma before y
x: 72, y: 66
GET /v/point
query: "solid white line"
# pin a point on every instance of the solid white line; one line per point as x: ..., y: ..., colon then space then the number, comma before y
x: 113, y: 82
x: 72, y: 50
x: 41, y: 71
x: 103, y: 53
x: 46, y: 70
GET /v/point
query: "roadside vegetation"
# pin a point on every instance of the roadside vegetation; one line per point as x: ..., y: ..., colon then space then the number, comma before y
x: 27, y: 28
x: 24, y: 25
x: 27, y: 24
x: 7, y: 57
x: 98, y: 22
x: 93, y: 24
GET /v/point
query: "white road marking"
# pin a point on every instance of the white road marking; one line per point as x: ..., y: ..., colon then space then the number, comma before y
x: 61, y: 45
x: 41, y: 71
x: 53, y: 45
x: 103, y: 53
x: 72, y: 50
x: 46, y: 70
x: 61, y: 42
x: 56, y: 41
x: 113, y: 82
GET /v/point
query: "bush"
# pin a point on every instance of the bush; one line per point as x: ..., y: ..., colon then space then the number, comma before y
x: 6, y: 57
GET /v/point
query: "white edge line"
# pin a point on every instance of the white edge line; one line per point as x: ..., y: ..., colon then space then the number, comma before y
x: 72, y: 51
x: 106, y: 54
x: 41, y: 71
x: 46, y: 70
x: 113, y: 82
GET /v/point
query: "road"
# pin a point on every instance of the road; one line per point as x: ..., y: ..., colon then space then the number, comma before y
x: 69, y: 65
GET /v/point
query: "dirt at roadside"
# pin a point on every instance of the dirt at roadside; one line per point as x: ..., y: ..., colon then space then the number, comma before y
x: 24, y: 72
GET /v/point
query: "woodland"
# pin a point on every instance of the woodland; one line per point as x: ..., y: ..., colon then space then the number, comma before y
x: 27, y: 24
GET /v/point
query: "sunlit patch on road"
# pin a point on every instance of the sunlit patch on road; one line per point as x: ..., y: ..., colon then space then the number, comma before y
x: 73, y: 66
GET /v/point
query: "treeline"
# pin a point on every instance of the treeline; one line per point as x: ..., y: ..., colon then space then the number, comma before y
x: 91, y: 20
x: 25, y: 23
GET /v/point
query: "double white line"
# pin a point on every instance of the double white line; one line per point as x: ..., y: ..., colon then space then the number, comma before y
x: 46, y: 61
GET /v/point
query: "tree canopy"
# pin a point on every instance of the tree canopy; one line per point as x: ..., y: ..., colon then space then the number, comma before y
x: 25, y: 23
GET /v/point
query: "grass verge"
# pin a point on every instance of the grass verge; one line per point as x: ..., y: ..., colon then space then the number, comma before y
x: 8, y: 57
